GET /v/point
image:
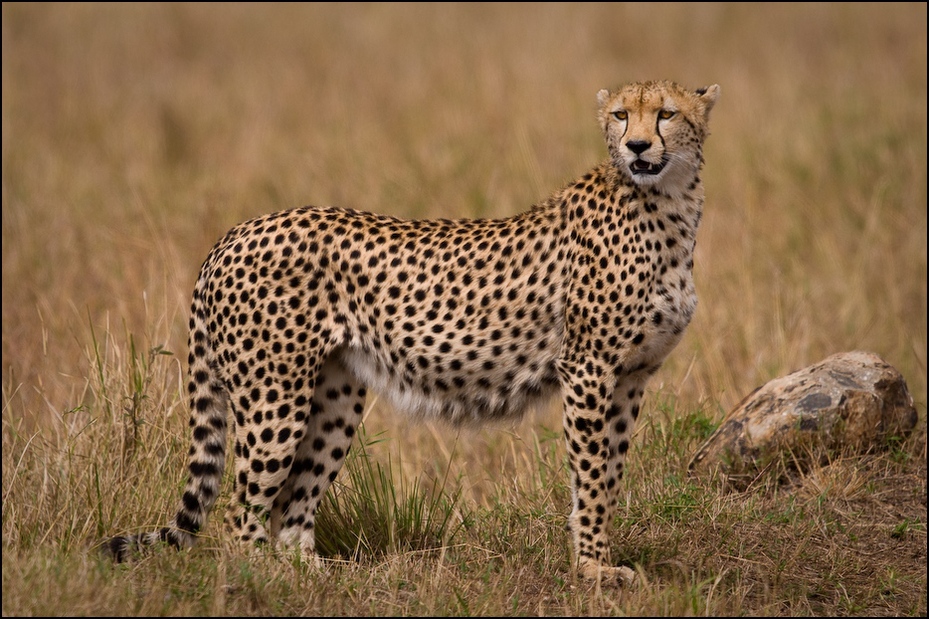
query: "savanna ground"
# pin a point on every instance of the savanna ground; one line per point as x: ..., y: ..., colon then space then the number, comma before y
x: 135, y: 136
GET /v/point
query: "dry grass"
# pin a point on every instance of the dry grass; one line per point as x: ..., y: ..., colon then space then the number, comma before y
x: 134, y: 136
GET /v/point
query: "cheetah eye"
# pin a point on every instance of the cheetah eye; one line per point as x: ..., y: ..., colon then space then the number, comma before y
x: 666, y: 114
x: 620, y: 115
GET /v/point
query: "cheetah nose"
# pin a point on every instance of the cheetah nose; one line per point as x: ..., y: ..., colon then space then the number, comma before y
x: 638, y: 146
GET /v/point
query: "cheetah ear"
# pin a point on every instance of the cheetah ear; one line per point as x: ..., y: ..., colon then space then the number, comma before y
x: 709, y: 95
x: 602, y: 97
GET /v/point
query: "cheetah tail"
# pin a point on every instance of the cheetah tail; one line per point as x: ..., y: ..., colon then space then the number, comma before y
x: 208, y: 408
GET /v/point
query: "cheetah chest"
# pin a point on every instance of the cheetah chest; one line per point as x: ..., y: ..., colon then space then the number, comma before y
x: 668, y: 312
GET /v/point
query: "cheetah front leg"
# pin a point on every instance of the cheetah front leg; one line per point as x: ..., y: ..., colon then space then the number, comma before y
x: 598, y: 421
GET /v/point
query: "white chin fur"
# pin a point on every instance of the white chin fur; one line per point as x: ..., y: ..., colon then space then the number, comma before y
x: 672, y: 179
x: 648, y: 180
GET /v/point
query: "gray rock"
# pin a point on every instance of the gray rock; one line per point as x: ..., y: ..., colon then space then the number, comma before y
x: 851, y: 401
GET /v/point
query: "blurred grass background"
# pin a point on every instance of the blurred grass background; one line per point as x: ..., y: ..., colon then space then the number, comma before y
x: 135, y: 135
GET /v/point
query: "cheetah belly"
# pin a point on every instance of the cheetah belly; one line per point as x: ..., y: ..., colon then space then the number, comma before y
x: 463, y: 385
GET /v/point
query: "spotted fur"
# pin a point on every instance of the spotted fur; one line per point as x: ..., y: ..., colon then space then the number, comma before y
x: 296, y: 314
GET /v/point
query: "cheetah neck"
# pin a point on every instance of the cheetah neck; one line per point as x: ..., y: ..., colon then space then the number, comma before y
x: 604, y: 196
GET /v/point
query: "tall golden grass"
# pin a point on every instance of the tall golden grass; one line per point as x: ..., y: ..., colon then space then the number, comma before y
x: 134, y: 136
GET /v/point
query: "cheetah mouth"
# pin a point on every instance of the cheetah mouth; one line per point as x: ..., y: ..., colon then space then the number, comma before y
x: 640, y: 166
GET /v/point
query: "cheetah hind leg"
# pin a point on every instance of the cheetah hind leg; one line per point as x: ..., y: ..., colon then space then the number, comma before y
x: 336, y: 410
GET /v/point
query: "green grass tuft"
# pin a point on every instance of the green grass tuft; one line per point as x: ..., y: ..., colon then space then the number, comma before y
x: 371, y: 511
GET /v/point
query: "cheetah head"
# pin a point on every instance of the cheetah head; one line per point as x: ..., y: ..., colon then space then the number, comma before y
x: 655, y: 131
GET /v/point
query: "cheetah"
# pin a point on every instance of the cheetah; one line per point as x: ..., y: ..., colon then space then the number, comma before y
x: 297, y: 314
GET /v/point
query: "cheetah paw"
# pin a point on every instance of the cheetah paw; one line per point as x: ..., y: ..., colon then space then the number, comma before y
x: 605, y: 574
